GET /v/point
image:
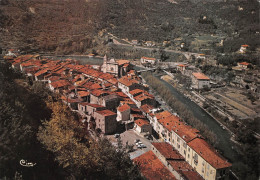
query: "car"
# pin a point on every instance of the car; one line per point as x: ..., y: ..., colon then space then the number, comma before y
x: 117, y: 135
x: 138, y: 143
x: 143, y: 146
x: 139, y: 146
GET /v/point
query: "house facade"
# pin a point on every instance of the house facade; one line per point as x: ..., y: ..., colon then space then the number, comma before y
x: 200, y: 80
x: 147, y: 60
x: 123, y: 113
x: 106, y: 121
x: 142, y: 126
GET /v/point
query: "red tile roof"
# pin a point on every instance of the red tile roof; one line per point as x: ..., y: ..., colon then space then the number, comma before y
x: 54, y: 78
x: 106, y: 112
x: 182, y: 65
x: 60, y: 83
x: 162, y: 115
x: 244, y: 63
x: 142, y: 97
x: 167, y: 151
x: 83, y: 93
x: 84, y: 103
x: 41, y: 72
x: 136, y: 110
x: 148, y: 58
x: 122, y: 61
x: 146, y: 108
x: 139, y: 116
x: 98, y: 92
x: 32, y: 70
x: 96, y: 106
x: 121, y: 94
x: 123, y: 108
x: 192, y: 175
x: 141, y: 122
x: 180, y: 165
x: 69, y: 100
x: 202, y: 148
x: 200, y: 76
x: 152, y: 168
x: 136, y: 92
x: 127, y: 81
x: 95, y: 86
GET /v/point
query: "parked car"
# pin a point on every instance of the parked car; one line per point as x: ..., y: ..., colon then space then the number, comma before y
x: 138, y: 143
x: 117, y: 135
x: 139, y: 146
x: 143, y: 146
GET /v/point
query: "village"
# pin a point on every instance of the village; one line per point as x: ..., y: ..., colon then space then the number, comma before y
x: 113, y: 101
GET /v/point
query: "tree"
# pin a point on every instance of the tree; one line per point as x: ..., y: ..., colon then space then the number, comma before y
x: 81, y: 155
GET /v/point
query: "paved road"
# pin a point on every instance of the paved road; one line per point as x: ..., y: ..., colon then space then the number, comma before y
x: 130, y: 136
x: 186, y: 54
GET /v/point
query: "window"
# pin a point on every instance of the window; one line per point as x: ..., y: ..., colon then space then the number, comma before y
x: 184, y: 145
x: 188, y: 155
x: 184, y: 152
x: 188, y: 149
x: 178, y: 139
x: 179, y: 146
x: 195, y: 157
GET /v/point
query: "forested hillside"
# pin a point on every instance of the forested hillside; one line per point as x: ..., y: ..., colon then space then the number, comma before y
x: 72, y: 26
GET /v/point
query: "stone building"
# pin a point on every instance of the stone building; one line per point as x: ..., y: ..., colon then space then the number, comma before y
x: 123, y: 113
x: 106, y: 121
x: 118, y: 68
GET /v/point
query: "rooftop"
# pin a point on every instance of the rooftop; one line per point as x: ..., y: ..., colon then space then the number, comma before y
x: 95, y: 105
x: 60, y: 83
x: 152, y: 168
x: 209, y: 154
x: 162, y: 115
x: 148, y: 58
x: 191, y: 175
x: 146, y: 108
x: 167, y: 150
x: 83, y: 93
x: 122, y: 61
x: 98, y: 92
x: 244, y: 63
x: 141, y: 122
x: 200, y: 76
x: 127, y: 81
x: 123, y: 108
x: 106, y: 112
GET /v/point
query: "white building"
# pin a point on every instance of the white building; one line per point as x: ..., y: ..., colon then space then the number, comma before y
x: 200, y: 80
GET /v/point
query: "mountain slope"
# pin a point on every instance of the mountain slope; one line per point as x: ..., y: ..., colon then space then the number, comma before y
x: 70, y: 26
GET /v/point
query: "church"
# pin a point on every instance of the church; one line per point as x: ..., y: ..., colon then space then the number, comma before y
x: 118, y: 68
